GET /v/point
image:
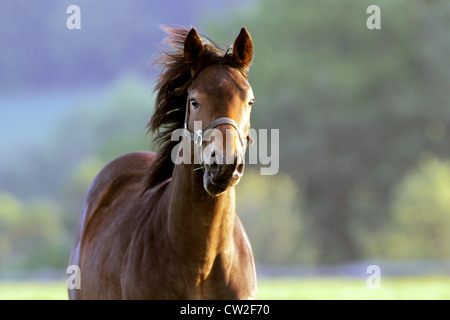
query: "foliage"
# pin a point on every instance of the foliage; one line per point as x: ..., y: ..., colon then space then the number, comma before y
x: 32, y: 233
x: 271, y: 213
x: 421, y: 213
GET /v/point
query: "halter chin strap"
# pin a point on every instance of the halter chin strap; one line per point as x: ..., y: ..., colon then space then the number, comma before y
x: 199, y: 135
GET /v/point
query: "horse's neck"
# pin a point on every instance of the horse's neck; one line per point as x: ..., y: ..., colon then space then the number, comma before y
x: 200, y: 226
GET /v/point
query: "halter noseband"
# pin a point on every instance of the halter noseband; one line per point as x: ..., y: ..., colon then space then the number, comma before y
x: 199, y: 135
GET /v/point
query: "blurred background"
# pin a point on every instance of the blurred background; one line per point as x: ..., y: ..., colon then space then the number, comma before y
x: 364, y: 120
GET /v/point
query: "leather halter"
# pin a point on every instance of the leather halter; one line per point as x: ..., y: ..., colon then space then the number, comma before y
x: 199, y: 135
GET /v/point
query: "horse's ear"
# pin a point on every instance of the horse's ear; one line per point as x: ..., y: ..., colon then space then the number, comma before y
x: 193, y: 50
x: 243, y: 47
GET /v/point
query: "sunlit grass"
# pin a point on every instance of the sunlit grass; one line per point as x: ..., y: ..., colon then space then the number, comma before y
x: 337, y: 288
x: 279, y: 289
x: 53, y: 290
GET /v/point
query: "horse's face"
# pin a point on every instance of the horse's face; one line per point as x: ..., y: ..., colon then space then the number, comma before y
x: 221, y: 91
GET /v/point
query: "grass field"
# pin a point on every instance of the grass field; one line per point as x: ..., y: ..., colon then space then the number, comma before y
x: 279, y: 289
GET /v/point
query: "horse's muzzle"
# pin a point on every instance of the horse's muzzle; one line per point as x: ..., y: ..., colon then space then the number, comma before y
x: 223, y: 173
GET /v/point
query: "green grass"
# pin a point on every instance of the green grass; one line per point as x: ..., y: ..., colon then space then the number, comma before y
x: 285, y: 289
x: 33, y: 290
x: 341, y: 289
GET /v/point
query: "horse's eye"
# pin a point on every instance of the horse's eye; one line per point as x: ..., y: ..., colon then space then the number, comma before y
x: 251, y: 102
x: 194, y: 104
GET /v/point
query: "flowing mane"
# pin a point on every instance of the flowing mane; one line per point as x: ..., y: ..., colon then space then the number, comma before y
x: 172, y: 85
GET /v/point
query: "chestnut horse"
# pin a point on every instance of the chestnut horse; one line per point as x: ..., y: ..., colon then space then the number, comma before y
x: 155, y: 229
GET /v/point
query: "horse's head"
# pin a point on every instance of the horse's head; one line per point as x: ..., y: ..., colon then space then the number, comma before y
x: 221, y: 98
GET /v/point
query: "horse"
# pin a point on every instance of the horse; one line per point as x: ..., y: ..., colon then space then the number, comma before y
x: 152, y: 228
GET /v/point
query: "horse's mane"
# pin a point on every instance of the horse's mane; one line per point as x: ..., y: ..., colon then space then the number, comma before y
x: 170, y: 104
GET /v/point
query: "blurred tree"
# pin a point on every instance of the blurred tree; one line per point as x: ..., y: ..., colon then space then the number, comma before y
x: 420, y: 226
x: 10, y: 211
x: 355, y: 107
x: 269, y: 208
x: 32, y: 234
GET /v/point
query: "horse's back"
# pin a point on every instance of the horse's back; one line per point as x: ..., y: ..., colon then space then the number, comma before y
x: 121, y: 179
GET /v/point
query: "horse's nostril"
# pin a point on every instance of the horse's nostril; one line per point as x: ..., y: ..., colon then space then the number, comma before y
x: 214, y: 166
x: 240, y: 169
